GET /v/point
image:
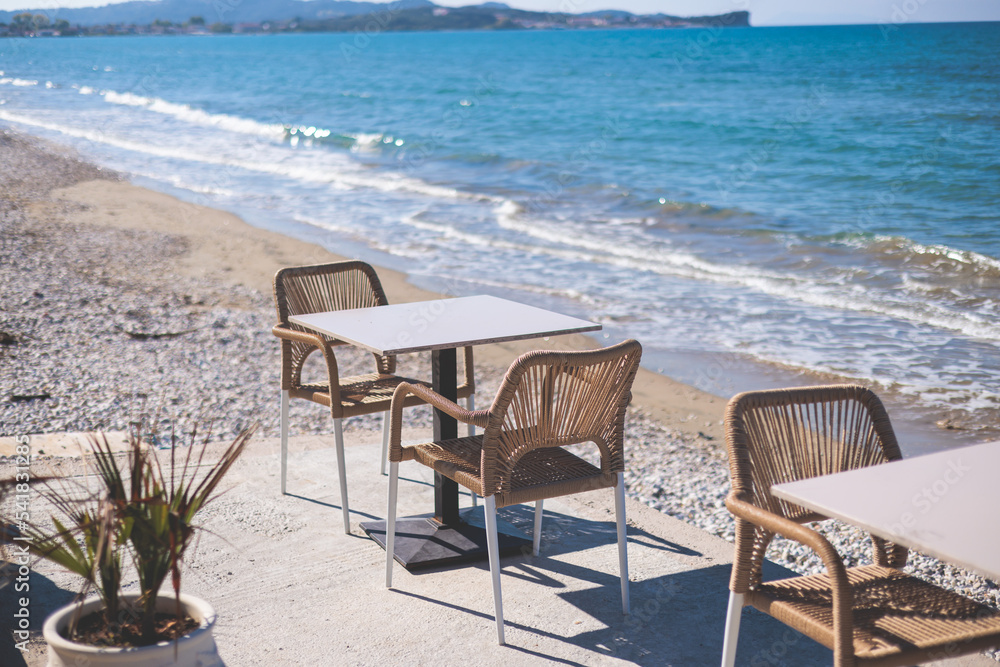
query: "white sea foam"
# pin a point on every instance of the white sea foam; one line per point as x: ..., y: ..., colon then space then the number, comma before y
x: 13, y: 81
x: 341, y: 176
x: 98, y: 136
x: 451, y: 233
x: 182, y: 183
x: 189, y: 114
x: 128, y: 99
x: 370, y: 141
x: 588, y: 300
x: 363, y: 141
x: 327, y: 224
x: 628, y: 253
x: 507, y: 210
x: 388, y: 181
x: 966, y: 257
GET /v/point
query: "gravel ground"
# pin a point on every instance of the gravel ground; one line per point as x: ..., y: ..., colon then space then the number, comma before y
x: 90, y: 337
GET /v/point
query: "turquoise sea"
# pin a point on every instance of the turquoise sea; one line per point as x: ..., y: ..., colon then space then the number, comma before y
x: 757, y: 206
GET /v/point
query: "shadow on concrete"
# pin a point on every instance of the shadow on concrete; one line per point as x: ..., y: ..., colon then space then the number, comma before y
x: 679, y: 619
x: 44, y: 598
x: 562, y: 533
x: 330, y: 505
x: 676, y: 619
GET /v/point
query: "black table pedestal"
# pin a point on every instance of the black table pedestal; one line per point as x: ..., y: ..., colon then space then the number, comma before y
x: 423, y: 542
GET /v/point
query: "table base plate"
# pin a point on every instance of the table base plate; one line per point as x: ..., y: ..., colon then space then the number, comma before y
x: 422, y: 542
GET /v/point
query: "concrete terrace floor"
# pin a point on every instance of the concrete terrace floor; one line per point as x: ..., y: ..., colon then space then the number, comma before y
x: 290, y: 588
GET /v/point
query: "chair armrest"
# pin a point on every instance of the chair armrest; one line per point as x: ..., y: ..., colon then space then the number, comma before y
x: 843, y: 597
x: 330, y: 359
x: 475, y: 417
x: 283, y: 332
x: 780, y: 525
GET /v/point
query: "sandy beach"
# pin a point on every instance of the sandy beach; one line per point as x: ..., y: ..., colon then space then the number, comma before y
x: 118, y: 300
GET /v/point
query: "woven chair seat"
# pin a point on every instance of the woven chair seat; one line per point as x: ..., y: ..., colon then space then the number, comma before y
x: 893, y: 612
x: 542, y: 473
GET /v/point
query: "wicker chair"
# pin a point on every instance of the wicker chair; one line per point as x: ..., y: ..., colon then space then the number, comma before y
x: 323, y: 288
x: 546, y: 400
x: 868, y: 615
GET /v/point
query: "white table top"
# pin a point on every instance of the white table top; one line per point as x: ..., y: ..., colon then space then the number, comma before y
x: 441, y: 324
x: 945, y: 504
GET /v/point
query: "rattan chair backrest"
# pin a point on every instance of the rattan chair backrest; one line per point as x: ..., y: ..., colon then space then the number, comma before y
x: 551, y: 399
x: 785, y: 435
x: 321, y: 288
x: 326, y: 287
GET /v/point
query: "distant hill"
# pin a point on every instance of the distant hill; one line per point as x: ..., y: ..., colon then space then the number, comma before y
x: 346, y: 15
x: 492, y: 17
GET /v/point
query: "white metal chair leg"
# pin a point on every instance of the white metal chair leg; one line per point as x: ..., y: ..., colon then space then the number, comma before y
x: 536, y: 540
x: 385, y: 439
x: 338, y: 432
x: 622, y: 541
x: 390, y: 522
x: 470, y: 405
x: 494, y: 552
x: 733, y: 614
x: 283, y: 425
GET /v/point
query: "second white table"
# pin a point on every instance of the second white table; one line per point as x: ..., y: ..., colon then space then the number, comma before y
x: 945, y: 504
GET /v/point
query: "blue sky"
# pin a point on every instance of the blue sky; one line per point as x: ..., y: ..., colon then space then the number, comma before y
x: 763, y: 12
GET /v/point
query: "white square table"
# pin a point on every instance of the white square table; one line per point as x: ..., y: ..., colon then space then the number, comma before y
x: 441, y: 326
x: 945, y: 504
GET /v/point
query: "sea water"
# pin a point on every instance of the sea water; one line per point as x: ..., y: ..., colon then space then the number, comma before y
x: 758, y: 206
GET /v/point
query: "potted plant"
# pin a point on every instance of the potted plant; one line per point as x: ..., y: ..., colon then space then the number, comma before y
x: 141, y: 515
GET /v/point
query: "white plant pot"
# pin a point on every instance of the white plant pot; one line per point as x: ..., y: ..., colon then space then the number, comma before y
x: 195, y: 649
